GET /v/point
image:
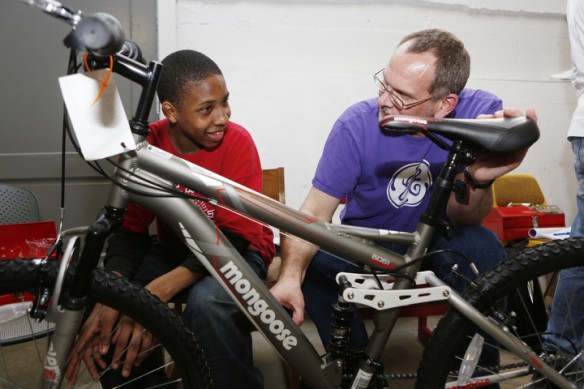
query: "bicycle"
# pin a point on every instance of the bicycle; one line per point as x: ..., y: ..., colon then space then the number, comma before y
x: 149, y: 176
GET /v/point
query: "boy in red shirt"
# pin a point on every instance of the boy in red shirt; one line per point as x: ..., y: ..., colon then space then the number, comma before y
x: 194, y: 100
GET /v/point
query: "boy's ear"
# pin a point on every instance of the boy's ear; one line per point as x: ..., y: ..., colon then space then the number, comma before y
x: 169, y: 111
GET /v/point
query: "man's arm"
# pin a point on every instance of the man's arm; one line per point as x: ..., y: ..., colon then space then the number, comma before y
x: 486, y: 168
x: 296, y: 255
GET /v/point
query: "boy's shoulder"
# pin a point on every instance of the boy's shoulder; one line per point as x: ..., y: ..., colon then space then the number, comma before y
x: 237, y: 131
x: 236, y: 128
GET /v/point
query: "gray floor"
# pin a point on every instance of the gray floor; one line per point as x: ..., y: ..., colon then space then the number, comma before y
x: 402, y: 355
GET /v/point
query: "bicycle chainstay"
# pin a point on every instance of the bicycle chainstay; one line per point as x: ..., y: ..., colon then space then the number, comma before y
x: 498, y: 368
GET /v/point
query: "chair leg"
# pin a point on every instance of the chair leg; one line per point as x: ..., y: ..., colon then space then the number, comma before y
x: 292, y: 378
x: 424, y: 332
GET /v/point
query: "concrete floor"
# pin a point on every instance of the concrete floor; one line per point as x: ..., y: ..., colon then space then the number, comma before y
x: 401, y: 356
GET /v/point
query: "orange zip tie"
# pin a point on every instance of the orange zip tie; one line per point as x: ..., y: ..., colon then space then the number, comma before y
x: 107, y: 78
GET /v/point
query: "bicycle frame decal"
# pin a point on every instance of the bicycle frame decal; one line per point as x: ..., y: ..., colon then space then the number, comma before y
x: 51, y: 372
x: 381, y: 261
x: 256, y: 306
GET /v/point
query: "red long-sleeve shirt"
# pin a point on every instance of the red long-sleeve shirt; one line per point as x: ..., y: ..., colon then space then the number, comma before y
x: 235, y: 158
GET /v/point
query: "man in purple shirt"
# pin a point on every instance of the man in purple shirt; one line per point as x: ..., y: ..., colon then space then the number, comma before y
x: 387, y: 179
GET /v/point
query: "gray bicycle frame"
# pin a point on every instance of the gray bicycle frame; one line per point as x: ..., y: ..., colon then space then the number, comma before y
x: 141, y: 173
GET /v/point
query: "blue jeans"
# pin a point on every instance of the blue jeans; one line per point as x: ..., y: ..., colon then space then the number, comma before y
x: 223, y: 331
x: 565, y: 330
x: 320, y: 288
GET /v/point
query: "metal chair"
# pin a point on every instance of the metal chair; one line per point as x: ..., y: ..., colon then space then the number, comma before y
x: 19, y: 205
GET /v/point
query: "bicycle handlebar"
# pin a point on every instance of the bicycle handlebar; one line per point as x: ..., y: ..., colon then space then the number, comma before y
x: 100, y: 33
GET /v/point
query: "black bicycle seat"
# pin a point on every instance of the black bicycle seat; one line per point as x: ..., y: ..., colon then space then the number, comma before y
x: 488, y: 134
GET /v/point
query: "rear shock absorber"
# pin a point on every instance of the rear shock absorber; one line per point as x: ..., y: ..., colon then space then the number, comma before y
x: 342, y: 318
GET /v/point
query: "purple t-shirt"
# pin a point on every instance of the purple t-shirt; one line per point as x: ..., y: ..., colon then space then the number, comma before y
x: 386, y: 177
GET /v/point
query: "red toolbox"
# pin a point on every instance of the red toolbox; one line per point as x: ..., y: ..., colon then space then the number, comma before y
x: 514, y: 221
x: 25, y: 240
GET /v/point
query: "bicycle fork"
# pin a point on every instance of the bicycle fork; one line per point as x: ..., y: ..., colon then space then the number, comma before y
x: 69, y: 315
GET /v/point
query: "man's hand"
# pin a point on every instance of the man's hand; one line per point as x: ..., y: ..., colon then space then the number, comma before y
x: 487, y: 167
x: 493, y: 165
x: 511, y: 113
x: 289, y: 294
x: 296, y: 255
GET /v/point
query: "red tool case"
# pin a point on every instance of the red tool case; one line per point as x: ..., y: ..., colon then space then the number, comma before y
x: 514, y: 221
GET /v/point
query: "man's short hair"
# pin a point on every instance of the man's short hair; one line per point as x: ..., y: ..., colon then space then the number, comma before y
x: 181, y: 69
x: 452, y: 59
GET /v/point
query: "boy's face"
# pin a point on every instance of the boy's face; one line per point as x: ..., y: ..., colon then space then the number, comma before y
x: 200, y: 119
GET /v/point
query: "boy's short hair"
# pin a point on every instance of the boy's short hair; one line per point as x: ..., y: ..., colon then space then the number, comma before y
x: 180, y: 69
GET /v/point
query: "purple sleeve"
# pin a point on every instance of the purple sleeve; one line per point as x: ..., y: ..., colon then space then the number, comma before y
x: 474, y: 102
x: 340, y: 164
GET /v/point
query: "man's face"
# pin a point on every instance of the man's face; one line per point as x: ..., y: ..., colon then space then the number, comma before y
x: 408, y: 77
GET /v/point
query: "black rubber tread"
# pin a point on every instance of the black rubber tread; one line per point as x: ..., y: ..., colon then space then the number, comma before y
x: 131, y: 300
x: 22, y: 275
x: 506, y: 277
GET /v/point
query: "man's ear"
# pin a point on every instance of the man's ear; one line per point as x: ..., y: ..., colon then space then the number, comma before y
x: 169, y: 111
x: 447, y: 105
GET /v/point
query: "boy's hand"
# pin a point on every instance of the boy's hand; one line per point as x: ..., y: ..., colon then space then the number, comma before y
x: 92, y: 343
x: 95, y: 339
x: 133, y: 340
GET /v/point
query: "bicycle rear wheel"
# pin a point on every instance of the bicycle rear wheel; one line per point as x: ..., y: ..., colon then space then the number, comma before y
x: 513, y: 293
x: 179, y: 363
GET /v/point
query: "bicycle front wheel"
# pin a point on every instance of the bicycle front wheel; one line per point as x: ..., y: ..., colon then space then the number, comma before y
x: 177, y: 360
x: 516, y: 294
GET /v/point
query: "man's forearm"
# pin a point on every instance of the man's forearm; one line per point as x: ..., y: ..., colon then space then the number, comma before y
x: 296, y: 256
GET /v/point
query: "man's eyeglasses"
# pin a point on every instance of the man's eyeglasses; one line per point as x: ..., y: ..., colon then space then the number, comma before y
x: 395, y: 100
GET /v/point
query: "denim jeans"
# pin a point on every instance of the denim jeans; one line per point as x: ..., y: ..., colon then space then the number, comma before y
x: 223, y: 331
x: 565, y: 330
x: 320, y: 288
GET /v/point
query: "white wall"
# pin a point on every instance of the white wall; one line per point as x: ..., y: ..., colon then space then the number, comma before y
x: 293, y: 66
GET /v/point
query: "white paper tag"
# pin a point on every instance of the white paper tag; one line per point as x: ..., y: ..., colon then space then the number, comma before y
x: 100, y: 124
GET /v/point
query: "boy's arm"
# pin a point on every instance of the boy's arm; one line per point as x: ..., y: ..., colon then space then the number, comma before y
x: 125, y: 252
x: 169, y: 284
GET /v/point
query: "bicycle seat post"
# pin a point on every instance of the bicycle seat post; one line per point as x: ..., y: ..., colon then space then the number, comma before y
x: 444, y: 184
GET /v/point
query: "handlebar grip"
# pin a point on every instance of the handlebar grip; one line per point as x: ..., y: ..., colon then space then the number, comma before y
x: 131, y: 50
x: 100, y: 34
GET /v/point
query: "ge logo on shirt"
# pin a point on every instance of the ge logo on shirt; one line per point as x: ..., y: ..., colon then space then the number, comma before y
x: 409, y: 185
